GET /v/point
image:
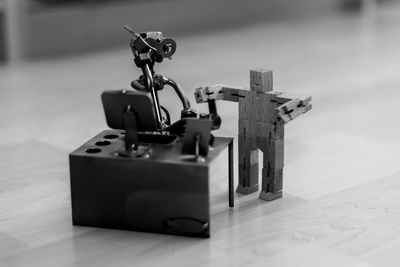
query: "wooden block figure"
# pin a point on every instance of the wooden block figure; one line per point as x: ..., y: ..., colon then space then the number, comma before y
x: 262, y: 117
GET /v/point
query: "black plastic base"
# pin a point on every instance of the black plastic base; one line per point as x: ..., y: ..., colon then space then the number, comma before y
x: 163, y: 192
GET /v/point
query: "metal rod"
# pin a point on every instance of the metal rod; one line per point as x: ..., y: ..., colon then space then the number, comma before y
x: 136, y: 85
x: 129, y: 29
x: 230, y: 174
x: 149, y: 84
x: 179, y: 92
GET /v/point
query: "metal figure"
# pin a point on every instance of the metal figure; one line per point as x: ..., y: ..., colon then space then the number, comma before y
x: 149, y: 48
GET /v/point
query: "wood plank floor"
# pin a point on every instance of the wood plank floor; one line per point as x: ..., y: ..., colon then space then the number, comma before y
x: 341, y: 203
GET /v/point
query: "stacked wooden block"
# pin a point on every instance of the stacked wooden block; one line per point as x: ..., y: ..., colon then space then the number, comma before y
x: 258, y: 129
x: 262, y: 116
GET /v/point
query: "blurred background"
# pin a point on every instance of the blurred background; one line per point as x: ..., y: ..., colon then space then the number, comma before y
x: 341, y: 189
x: 51, y: 28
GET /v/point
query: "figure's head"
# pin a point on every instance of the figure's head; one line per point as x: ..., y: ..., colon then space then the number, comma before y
x: 151, y: 47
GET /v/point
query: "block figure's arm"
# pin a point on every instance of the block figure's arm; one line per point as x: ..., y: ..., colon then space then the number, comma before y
x: 219, y: 92
x: 291, y: 106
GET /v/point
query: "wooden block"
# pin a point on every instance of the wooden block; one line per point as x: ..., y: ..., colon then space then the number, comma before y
x: 269, y: 130
x: 219, y: 92
x: 279, y: 132
x: 268, y: 196
x: 246, y: 105
x: 248, y: 174
x: 253, y: 174
x: 273, y: 153
x: 248, y: 156
x: 246, y: 127
x: 264, y: 106
x: 232, y: 93
x: 283, y: 97
x: 281, y: 118
x: 254, y: 157
x: 300, y: 110
x: 201, y: 94
x: 291, y: 110
x: 261, y: 80
x: 272, y: 180
x: 284, y: 112
x: 248, y: 141
x: 245, y: 190
x: 307, y: 108
x: 257, y: 107
x: 215, y: 92
x: 247, y: 144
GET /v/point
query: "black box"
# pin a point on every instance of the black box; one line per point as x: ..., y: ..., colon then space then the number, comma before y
x: 165, y: 193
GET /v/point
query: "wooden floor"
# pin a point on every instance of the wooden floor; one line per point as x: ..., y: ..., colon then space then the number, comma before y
x: 341, y: 203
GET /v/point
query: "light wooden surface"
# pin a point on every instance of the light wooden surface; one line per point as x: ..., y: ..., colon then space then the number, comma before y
x: 341, y: 203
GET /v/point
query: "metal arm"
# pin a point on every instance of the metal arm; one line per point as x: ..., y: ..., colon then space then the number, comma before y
x: 179, y: 92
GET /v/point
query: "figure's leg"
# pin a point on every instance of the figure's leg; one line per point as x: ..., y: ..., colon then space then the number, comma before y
x: 271, y: 184
x: 272, y: 171
x: 248, y: 165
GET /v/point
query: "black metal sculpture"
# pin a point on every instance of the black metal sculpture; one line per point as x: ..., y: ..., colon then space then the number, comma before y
x: 148, y: 174
x: 149, y: 48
